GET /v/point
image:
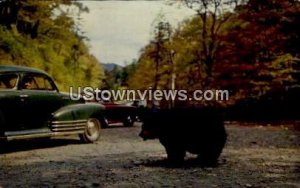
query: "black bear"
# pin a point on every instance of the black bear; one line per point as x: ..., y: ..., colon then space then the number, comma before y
x: 194, y: 130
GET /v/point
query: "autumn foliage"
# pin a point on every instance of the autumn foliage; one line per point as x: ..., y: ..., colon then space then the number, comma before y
x: 250, y: 48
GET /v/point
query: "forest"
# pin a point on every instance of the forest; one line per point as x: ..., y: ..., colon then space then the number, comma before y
x: 250, y: 48
x: 32, y: 35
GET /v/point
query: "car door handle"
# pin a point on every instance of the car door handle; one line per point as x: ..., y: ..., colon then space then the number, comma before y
x: 65, y: 98
x: 24, y: 96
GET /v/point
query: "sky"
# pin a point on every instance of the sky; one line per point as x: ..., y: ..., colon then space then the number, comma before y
x: 118, y: 30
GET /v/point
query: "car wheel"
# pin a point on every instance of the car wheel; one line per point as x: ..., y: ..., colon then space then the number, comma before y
x: 128, y: 121
x: 92, y: 131
x: 2, y: 123
x: 104, y: 123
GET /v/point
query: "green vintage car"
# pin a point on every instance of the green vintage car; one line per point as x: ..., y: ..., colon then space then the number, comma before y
x: 31, y: 106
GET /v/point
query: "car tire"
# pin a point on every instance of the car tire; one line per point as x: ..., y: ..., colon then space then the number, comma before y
x: 92, y: 131
x: 104, y: 123
x: 2, y: 124
x: 128, y: 121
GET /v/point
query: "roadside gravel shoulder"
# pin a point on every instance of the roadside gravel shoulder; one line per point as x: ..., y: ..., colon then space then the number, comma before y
x: 254, y: 156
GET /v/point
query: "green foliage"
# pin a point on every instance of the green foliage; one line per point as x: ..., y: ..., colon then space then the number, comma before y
x: 38, y: 38
x: 155, y: 64
x: 250, y: 51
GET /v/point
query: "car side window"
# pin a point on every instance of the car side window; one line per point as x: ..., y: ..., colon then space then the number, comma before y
x: 36, y: 82
x: 8, y: 81
x: 28, y: 82
x: 44, y: 83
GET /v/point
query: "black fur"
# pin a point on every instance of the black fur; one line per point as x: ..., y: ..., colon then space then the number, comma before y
x: 198, y: 131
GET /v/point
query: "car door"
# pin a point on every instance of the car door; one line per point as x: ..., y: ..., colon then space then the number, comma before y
x: 10, y: 103
x: 39, y: 98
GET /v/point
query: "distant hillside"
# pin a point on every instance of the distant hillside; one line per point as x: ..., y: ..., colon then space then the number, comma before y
x: 111, y: 66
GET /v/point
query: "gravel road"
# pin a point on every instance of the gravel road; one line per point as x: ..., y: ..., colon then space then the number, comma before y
x: 254, y: 156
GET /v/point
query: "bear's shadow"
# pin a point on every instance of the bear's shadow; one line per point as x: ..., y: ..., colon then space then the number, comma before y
x: 187, y: 163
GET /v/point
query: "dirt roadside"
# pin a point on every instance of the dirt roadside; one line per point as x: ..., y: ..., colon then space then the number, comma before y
x: 254, y: 156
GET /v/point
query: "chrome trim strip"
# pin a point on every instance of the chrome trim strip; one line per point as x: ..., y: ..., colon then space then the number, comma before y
x: 63, y: 126
x: 57, y: 128
x: 68, y: 129
x: 51, y: 134
x: 27, y: 132
x: 68, y: 125
x: 29, y: 136
x: 69, y: 122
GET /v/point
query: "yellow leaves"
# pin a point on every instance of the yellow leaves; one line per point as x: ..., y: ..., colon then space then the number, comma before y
x: 52, y: 50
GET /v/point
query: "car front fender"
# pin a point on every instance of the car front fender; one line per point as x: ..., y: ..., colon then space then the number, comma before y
x: 78, y: 112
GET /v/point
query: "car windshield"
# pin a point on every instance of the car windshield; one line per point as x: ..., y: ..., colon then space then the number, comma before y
x: 8, y: 81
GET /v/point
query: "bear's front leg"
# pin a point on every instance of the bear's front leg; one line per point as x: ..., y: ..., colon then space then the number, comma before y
x: 175, y: 152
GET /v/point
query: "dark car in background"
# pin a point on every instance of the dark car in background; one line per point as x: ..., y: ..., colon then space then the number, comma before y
x: 31, y: 106
x: 115, y: 112
x: 119, y: 113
